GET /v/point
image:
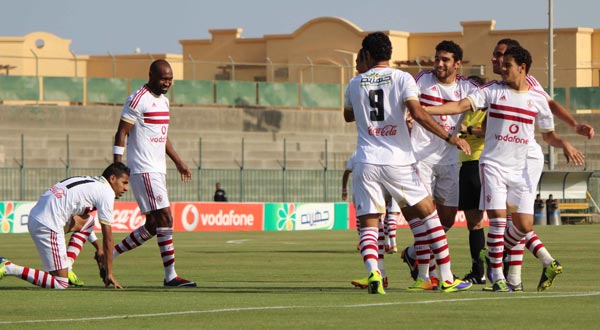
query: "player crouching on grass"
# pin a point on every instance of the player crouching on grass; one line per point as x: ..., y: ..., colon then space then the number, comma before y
x: 65, y: 207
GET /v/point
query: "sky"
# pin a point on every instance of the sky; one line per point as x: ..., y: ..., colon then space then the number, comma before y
x: 121, y: 26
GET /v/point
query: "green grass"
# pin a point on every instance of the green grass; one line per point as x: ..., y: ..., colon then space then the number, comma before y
x: 299, y: 280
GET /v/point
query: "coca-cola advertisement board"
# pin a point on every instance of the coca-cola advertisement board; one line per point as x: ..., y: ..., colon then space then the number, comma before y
x: 126, y: 217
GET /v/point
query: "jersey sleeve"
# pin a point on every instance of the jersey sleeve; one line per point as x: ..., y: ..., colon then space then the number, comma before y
x: 544, y: 118
x: 535, y: 85
x: 347, y: 96
x: 350, y: 162
x: 105, y: 206
x: 478, y: 98
x: 410, y: 90
x: 130, y: 114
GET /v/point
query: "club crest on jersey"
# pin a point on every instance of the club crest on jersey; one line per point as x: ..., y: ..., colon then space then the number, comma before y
x: 58, y: 192
x: 530, y: 103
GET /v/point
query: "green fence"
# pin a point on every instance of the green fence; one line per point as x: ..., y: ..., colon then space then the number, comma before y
x: 193, y: 92
x: 189, y: 92
x: 278, y: 94
x: 585, y: 97
x: 106, y: 90
x: 66, y: 89
x: 247, y: 185
x: 19, y: 88
x: 222, y: 92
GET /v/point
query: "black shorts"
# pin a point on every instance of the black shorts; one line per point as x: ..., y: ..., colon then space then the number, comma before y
x: 469, y: 186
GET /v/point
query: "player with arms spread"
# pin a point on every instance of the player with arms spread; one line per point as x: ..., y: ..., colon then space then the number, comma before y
x: 513, y: 109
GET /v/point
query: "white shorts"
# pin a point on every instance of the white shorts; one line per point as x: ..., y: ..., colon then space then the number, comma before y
x: 503, y: 190
x: 442, y: 180
x: 370, y: 184
x: 535, y: 167
x: 50, y: 245
x: 392, y: 205
x: 150, y: 191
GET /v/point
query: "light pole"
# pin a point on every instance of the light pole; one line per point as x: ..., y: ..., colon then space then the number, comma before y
x: 551, y: 70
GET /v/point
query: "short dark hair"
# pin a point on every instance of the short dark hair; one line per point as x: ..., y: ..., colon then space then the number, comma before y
x: 521, y: 55
x: 118, y: 169
x: 362, y: 56
x: 378, y: 45
x: 450, y: 47
x: 479, y: 80
x: 509, y: 43
x: 156, y: 66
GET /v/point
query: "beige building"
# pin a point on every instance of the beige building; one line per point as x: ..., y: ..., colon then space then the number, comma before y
x: 322, y: 50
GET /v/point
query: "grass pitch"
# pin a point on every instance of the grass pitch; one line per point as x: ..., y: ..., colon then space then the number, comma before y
x: 299, y: 280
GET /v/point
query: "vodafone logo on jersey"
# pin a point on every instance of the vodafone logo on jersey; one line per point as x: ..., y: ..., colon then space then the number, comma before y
x: 442, y: 122
x: 387, y: 130
x: 160, y: 139
x: 512, y: 137
x: 217, y: 216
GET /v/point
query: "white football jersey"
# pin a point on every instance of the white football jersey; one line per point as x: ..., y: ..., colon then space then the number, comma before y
x: 535, y: 150
x: 429, y: 147
x: 377, y: 99
x: 146, y: 143
x: 350, y: 162
x: 78, y: 195
x: 510, y: 130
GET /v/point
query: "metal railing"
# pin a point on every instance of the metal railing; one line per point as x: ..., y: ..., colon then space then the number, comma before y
x: 241, y: 185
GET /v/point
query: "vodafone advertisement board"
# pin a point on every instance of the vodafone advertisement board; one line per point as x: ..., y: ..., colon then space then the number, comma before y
x: 217, y: 217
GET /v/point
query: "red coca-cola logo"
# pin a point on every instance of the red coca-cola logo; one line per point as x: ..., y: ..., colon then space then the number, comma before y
x: 387, y: 130
x: 127, y: 219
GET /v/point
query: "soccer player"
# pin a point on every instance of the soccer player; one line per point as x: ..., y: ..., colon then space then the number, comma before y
x: 535, y: 161
x: 144, y: 125
x: 513, y: 108
x: 66, y: 207
x: 437, y: 161
x: 377, y: 100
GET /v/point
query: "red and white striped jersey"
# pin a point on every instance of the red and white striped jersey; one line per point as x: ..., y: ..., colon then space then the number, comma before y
x: 77, y: 195
x: 510, y: 123
x: 146, y: 143
x: 429, y: 147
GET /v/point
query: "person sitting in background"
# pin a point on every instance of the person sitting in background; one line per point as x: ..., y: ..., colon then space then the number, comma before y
x: 220, y: 195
